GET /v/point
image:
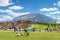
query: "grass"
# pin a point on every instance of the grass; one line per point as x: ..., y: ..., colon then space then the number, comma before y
x: 43, y: 26
x: 10, y: 35
x: 39, y: 26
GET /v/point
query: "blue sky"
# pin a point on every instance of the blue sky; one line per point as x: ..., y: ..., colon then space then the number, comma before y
x: 10, y: 9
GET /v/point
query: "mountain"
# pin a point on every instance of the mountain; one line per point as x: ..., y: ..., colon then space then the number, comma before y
x: 35, y: 17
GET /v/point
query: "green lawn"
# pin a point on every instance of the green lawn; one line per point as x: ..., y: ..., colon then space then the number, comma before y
x: 39, y: 26
x: 10, y: 35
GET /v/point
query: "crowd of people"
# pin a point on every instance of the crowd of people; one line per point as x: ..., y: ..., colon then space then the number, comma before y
x: 18, y: 34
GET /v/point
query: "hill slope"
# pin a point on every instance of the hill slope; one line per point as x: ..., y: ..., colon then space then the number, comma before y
x: 35, y: 17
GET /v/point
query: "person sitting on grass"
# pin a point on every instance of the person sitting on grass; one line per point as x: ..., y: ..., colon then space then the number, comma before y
x: 17, y: 34
x: 26, y: 32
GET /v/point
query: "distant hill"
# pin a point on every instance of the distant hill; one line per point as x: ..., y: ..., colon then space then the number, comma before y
x: 35, y: 17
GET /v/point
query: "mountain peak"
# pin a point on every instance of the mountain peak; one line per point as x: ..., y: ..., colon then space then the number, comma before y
x: 36, y: 17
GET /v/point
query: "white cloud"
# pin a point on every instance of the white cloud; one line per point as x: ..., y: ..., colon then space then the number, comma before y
x: 53, y: 17
x: 19, y: 14
x: 5, y: 2
x: 12, y: 13
x: 48, y: 15
x: 56, y: 12
x: 16, y: 8
x: 52, y: 12
x: 5, y: 18
x: 1, y: 10
x: 48, y: 9
x: 57, y: 4
x: 9, y: 12
x: 2, y: 19
x: 54, y: 3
